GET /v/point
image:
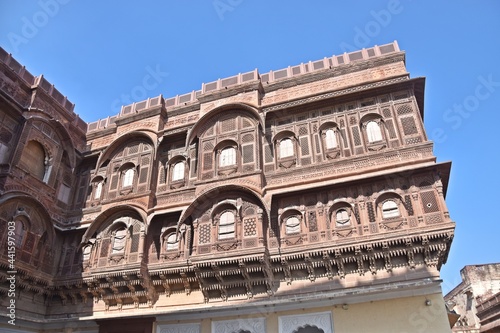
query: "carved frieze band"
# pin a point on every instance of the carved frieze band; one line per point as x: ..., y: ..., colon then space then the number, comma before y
x: 334, y: 94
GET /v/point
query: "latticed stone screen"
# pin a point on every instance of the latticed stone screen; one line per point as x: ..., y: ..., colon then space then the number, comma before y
x: 208, y: 146
x: 356, y: 135
x: 247, y: 138
x: 408, y: 205
x: 390, y: 128
x: 134, y: 247
x: 268, y: 155
x: 405, y: 109
x: 250, y: 227
x: 105, y: 247
x: 228, y: 125
x: 133, y: 149
x: 207, y: 161
x: 409, y: 126
x: 429, y: 201
x: 204, y: 233
x: 304, y: 146
x: 248, y: 154
x: 371, y: 211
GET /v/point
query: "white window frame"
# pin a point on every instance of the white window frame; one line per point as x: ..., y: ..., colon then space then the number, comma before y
x: 172, y: 243
x: 87, y: 250
x: 98, y: 190
x: 227, y: 157
x: 373, y: 131
x: 344, y: 219
x: 286, y: 148
x: 227, y: 224
x: 390, y: 209
x: 292, y: 225
x: 178, y: 170
x: 128, y: 177
x: 330, y: 139
x: 119, y: 240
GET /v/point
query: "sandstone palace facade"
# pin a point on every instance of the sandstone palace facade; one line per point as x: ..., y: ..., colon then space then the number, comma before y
x: 302, y: 200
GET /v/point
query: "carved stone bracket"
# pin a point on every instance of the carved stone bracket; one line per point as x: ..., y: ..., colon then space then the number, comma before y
x: 185, y: 281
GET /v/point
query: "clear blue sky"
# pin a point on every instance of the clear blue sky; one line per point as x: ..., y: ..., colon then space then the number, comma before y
x: 98, y: 54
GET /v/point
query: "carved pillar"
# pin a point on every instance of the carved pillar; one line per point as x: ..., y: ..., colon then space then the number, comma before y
x: 442, y: 201
x: 142, y: 238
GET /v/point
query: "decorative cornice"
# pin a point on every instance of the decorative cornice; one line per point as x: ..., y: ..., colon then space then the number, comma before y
x: 337, y: 93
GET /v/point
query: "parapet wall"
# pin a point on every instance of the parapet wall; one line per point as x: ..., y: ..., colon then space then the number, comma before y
x: 40, y: 82
x: 266, y: 79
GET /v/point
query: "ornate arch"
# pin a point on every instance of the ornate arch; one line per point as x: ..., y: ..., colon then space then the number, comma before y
x: 207, y: 196
x: 46, y: 225
x: 196, y: 129
x: 390, y: 196
x: 369, y: 117
x: 284, y: 134
x: 327, y: 125
x: 293, y: 323
x: 387, y: 195
x: 112, y: 214
x: 62, y: 133
x: 136, y: 135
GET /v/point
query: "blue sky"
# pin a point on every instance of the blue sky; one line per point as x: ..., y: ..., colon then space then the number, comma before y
x: 99, y: 54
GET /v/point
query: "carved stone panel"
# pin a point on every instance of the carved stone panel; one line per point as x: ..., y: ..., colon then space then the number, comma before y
x: 253, y: 325
x: 321, y: 320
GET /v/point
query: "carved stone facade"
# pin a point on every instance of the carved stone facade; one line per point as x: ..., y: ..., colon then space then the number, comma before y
x: 287, y: 201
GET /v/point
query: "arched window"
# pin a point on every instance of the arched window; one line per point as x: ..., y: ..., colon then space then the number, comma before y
x: 19, y: 234
x: 178, y: 171
x: 286, y: 148
x: 373, y: 132
x: 171, y: 242
x: 128, y: 177
x: 390, y: 209
x: 226, y: 225
x: 98, y: 190
x: 227, y: 157
x: 330, y: 139
x: 86, y: 252
x: 292, y: 225
x: 342, y: 217
x: 119, y: 240
x: 34, y: 160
